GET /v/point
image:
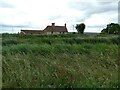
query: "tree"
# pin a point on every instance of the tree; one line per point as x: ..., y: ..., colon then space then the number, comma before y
x: 80, y: 28
x: 112, y: 28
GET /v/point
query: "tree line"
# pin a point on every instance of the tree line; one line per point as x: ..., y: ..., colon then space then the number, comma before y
x: 112, y: 28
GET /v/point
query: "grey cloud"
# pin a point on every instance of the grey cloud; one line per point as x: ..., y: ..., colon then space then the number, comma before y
x: 80, y: 20
x: 104, y: 3
x: 6, y: 5
x: 54, y: 17
x: 94, y: 8
x: 100, y: 26
x: 15, y: 26
x: 106, y: 7
x: 99, y: 7
x: 82, y: 6
x: 119, y: 12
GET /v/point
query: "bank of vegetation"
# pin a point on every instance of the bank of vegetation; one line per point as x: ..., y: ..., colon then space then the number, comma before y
x: 60, y: 61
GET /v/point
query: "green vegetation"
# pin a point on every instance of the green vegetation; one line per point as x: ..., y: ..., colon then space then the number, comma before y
x: 60, y: 61
x: 80, y: 28
x: 113, y: 28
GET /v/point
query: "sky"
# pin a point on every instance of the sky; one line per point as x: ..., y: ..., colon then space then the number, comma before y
x: 37, y: 14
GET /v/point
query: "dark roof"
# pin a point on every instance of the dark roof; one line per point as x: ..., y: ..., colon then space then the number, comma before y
x: 56, y: 29
x: 33, y: 31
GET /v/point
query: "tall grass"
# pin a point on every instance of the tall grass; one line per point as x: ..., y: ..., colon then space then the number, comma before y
x: 57, y: 39
x: 60, y: 61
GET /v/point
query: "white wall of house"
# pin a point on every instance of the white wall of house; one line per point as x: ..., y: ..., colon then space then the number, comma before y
x: 48, y: 32
x: 54, y: 32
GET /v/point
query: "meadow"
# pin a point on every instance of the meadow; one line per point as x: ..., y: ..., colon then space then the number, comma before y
x: 60, y: 61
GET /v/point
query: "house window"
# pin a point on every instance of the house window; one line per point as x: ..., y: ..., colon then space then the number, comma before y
x: 52, y: 32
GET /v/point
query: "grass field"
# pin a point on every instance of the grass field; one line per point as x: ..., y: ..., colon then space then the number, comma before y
x: 60, y: 61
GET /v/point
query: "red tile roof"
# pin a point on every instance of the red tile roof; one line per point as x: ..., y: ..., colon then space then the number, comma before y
x: 56, y: 29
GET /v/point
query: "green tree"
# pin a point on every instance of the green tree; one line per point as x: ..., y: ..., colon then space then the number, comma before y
x: 112, y: 28
x: 80, y: 28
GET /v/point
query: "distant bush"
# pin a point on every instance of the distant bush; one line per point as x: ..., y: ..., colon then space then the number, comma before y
x: 9, y: 42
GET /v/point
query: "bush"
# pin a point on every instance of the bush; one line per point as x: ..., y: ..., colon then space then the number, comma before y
x: 9, y: 42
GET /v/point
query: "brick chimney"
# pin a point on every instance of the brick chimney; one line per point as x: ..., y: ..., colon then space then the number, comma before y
x: 65, y: 24
x: 53, y: 24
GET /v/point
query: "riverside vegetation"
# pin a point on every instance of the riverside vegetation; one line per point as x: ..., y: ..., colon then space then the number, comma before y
x: 60, y: 61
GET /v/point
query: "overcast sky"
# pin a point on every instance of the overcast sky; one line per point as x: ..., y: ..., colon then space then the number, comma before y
x: 37, y: 14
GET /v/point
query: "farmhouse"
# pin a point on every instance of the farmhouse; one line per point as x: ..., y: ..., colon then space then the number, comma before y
x: 55, y: 29
x: 50, y: 29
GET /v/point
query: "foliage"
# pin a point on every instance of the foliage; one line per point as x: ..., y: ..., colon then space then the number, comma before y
x: 60, y: 61
x: 80, y: 28
x: 112, y: 28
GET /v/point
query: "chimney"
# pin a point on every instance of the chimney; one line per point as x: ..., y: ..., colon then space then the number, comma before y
x: 65, y: 24
x: 53, y: 24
